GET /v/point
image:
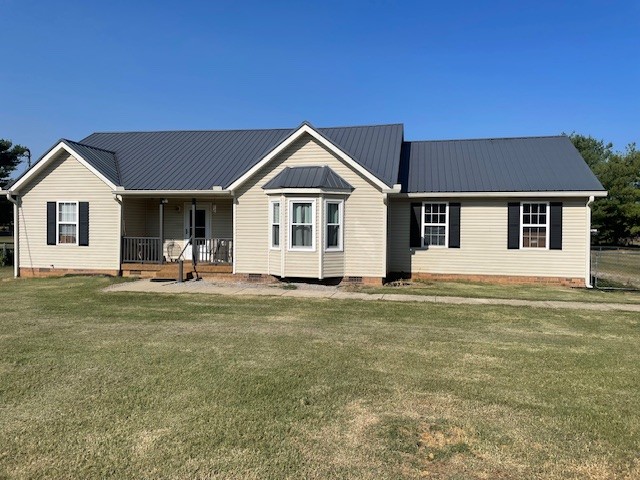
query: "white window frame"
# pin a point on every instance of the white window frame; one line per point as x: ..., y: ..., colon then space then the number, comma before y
x: 76, y: 223
x: 340, y: 224
x: 272, y: 224
x: 424, y: 224
x: 290, y: 246
x: 529, y: 225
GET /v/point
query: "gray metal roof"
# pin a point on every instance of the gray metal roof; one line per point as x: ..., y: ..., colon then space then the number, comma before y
x: 495, y: 165
x: 308, y: 177
x: 102, y: 160
x: 200, y: 160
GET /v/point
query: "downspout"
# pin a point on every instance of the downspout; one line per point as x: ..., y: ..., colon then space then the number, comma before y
x: 121, y: 229
x: 588, y: 259
x: 16, y: 235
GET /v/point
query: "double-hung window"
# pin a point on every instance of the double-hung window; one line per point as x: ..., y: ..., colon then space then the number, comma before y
x: 333, y: 231
x: 434, y: 224
x: 302, y: 223
x: 67, y: 223
x: 535, y: 225
x: 275, y: 224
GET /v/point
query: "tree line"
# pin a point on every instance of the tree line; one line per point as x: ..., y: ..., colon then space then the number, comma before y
x: 616, y: 217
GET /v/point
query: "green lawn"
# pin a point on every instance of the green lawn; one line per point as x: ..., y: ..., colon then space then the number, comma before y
x: 96, y: 385
x: 522, y: 292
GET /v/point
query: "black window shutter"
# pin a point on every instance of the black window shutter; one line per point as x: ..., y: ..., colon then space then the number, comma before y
x: 555, y: 225
x: 454, y: 225
x: 51, y: 223
x: 513, y: 239
x: 416, y: 223
x: 83, y: 224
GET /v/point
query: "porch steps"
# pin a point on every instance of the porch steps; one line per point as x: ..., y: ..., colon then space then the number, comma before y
x: 170, y: 270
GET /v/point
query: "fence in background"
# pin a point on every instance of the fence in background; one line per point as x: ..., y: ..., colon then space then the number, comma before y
x: 615, y: 268
x: 6, y: 254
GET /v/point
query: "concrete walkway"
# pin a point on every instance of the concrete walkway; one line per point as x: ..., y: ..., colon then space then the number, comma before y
x: 320, y: 291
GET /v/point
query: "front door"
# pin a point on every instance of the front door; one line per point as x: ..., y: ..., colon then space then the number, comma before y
x: 202, y: 228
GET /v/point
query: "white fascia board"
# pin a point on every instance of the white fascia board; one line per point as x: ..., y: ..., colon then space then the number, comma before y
x: 547, y: 194
x: 306, y: 191
x: 321, y: 139
x: 46, y: 160
x: 171, y: 193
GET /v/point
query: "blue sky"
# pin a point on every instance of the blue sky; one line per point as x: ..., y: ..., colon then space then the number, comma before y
x: 444, y: 69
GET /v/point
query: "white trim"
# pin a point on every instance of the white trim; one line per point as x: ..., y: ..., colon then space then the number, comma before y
x: 284, y: 219
x: 425, y: 224
x: 235, y: 245
x: 534, y: 225
x: 120, y: 220
x: 172, y: 193
x: 340, y: 247
x: 321, y: 139
x: 76, y: 223
x: 290, y: 247
x: 46, y: 160
x: 307, y: 191
x: 16, y: 238
x: 587, y: 277
x: 272, y: 224
x: 321, y: 216
x: 547, y: 194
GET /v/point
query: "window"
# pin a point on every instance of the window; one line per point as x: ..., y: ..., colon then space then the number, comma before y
x: 67, y: 223
x: 535, y: 225
x: 275, y: 225
x: 301, y: 215
x: 333, y: 212
x: 434, y: 224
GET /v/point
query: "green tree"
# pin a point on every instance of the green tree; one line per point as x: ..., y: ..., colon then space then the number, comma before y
x: 617, y: 217
x: 10, y: 157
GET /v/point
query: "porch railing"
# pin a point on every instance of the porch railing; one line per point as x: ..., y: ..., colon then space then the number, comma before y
x: 213, y: 250
x: 150, y: 250
x: 141, y: 250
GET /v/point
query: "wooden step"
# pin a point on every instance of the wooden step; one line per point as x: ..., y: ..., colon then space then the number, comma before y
x: 170, y: 270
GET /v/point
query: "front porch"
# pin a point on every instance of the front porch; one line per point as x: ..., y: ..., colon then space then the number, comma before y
x: 160, y: 231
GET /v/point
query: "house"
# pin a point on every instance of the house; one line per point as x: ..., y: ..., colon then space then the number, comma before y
x: 356, y: 203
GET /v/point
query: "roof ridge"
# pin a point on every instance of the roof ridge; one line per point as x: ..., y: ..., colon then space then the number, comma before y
x: 239, y: 129
x: 88, y: 146
x: 485, y: 138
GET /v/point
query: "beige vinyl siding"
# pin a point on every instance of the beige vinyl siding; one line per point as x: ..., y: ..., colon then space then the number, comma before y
x: 67, y: 179
x: 483, y: 243
x: 333, y: 264
x: 222, y: 218
x: 364, y: 213
x: 134, y: 217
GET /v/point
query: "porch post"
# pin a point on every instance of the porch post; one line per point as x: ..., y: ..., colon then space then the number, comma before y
x: 161, y: 228
x: 194, y: 253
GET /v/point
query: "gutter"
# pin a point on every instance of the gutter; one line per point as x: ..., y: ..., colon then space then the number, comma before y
x: 215, y: 191
x: 537, y: 194
x: 587, y: 277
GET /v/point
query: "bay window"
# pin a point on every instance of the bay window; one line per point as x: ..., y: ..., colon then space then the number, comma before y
x: 302, y: 224
x: 333, y: 230
x: 275, y: 224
